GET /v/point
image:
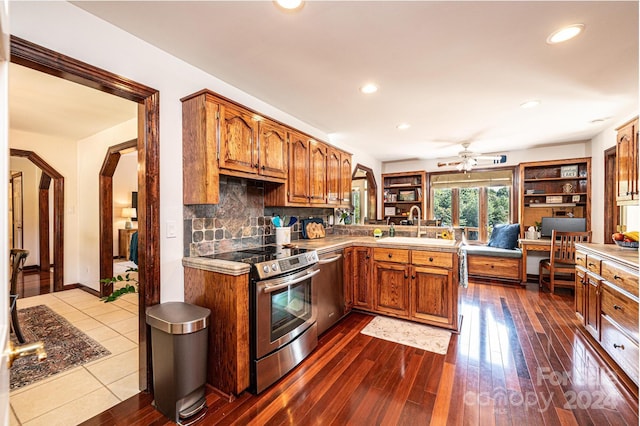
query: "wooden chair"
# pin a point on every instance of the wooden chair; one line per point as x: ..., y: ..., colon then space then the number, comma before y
x: 561, y: 264
x: 17, y: 258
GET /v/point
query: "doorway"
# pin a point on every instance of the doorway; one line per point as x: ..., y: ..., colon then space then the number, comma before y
x: 16, y: 239
x: 41, y: 59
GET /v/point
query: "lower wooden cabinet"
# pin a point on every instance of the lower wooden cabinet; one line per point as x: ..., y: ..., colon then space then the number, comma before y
x: 391, y: 288
x: 362, y: 278
x: 412, y: 284
x: 347, y: 278
x: 606, y: 300
x: 432, y: 296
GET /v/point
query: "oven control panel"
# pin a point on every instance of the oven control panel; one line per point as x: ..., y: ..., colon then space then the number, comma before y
x: 273, y: 268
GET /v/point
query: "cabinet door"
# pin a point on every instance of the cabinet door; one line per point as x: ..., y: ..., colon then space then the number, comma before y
x: 391, y: 287
x: 298, y: 191
x: 362, y: 283
x: 348, y: 272
x: 626, y: 165
x: 345, y: 180
x: 580, y: 299
x: 432, y: 296
x: 592, y: 307
x: 238, y: 140
x: 334, y: 194
x: 273, y: 150
x: 317, y: 172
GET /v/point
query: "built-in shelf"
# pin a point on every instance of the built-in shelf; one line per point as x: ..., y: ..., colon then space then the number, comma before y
x: 547, y: 205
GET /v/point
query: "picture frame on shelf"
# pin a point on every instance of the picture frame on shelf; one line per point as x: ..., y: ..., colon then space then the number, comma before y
x: 406, y: 195
x: 389, y: 211
x: 569, y: 171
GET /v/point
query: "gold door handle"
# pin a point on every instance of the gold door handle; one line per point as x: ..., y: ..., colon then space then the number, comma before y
x: 15, y: 352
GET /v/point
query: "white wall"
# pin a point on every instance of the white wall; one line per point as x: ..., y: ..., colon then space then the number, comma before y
x: 66, y: 29
x: 61, y: 155
x: 91, y: 154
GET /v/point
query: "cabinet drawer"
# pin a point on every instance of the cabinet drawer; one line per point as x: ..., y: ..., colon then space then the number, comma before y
x: 623, y: 350
x: 581, y: 259
x: 391, y: 255
x: 593, y: 264
x: 620, y: 308
x: 619, y: 277
x: 490, y: 267
x: 432, y: 258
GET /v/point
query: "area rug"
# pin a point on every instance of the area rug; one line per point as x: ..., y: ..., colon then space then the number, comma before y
x: 419, y: 336
x: 66, y: 346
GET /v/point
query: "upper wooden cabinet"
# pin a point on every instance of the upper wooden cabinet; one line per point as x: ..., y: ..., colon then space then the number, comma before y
x: 627, y: 164
x: 238, y: 140
x: 272, y: 160
x: 220, y: 136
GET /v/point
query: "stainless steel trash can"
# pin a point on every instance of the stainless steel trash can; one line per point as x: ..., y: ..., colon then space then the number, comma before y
x: 179, y: 340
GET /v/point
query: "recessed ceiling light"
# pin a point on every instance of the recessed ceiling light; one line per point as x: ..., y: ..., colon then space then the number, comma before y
x: 369, y: 88
x: 530, y: 104
x: 564, y: 34
x: 290, y: 4
x: 403, y: 126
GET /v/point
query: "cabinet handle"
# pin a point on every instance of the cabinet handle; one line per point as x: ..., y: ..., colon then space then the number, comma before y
x: 406, y: 276
x: 592, y: 264
x: 368, y: 257
x: 263, y: 167
x: 431, y: 259
x: 616, y: 346
x: 617, y: 308
x: 617, y: 277
x: 413, y: 277
x: 390, y: 255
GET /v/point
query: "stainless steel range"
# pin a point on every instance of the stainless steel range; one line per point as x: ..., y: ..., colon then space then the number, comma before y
x: 282, y: 309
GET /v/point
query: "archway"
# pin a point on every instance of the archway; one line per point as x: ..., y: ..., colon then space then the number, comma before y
x: 106, y: 211
x: 48, y: 174
x: 39, y: 58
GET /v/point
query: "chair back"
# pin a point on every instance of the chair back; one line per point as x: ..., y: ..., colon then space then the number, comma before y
x: 17, y: 258
x: 563, y: 245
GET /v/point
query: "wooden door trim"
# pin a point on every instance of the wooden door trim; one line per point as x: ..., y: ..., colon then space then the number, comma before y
x: 105, y: 192
x: 611, y: 208
x: 48, y: 174
x: 48, y: 61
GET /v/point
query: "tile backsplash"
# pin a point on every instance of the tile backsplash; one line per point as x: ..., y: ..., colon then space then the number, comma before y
x: 239, y: 220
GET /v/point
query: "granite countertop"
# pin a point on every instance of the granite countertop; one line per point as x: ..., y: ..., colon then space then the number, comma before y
x: 321, y: 245
x: 625, y: 256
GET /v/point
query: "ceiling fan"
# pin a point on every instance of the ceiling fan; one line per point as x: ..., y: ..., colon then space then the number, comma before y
x: 467, y: 160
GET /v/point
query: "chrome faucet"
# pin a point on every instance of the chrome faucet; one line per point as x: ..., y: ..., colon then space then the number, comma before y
x: 419, y: 216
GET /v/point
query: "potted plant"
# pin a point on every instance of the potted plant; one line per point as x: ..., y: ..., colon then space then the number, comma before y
x: 127, y: 288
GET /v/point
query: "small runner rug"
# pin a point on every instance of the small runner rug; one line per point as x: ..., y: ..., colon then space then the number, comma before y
x: 66, y: 346
x: 419, y: 336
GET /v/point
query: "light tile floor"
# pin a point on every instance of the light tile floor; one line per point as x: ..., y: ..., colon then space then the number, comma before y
x: 80, y: 393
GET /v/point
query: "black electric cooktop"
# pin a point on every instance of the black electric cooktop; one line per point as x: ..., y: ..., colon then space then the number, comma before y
x: 258, y: 254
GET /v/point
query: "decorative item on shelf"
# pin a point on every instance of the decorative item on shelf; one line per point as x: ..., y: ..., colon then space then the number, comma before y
x: 389, y: 211
x: 128, y: 213
x: 553, y: 199
x: 575, y: 199
x: 567, y: 188
x: 407, y: 195
x: 569, y: 171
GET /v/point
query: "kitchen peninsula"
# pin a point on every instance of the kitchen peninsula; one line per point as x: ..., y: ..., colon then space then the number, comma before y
x: 409, y: 280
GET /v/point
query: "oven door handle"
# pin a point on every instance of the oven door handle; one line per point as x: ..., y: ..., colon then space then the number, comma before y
x: 329, y: 259
x: 272, y: 288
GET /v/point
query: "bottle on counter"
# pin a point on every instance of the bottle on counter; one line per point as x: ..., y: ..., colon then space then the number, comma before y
x: 392, y: 230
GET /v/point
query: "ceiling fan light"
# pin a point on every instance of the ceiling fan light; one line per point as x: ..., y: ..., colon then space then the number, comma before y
x: 564, y: 34
x: 369, y: 88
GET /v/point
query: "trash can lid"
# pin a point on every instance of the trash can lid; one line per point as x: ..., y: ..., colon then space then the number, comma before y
x: 178, y: 317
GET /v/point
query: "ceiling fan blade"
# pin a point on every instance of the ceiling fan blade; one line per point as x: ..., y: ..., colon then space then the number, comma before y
x: 497, y: 159
x: 449, y: 163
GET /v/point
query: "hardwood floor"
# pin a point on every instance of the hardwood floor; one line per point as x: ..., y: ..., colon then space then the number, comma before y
x: 519, y: 359
x: 34, y: 283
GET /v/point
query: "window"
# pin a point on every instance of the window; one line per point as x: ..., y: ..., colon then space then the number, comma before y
x: 475, y: 201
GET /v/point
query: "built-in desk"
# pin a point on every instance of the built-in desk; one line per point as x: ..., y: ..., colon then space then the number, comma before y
x: 543, y: 245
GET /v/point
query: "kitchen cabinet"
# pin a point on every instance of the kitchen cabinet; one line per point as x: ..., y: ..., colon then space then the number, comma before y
x: 418, y: 285
x: 362, y: 278
x: 348, y: 270
x: 317, y: 172
x: 273, y: 149
x: 391, y: 281
x: 609, y: 308
x: 307, y: 171
x: 238, y: 140
x: 401, y: 192
x: 555, y: 188
x: 627, y: 164
x: 345, y: 179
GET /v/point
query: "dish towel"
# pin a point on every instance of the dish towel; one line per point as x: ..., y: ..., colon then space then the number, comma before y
x: 463, y: 279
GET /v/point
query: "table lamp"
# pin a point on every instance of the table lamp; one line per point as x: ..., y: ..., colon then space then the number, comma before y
x: 128, y: 213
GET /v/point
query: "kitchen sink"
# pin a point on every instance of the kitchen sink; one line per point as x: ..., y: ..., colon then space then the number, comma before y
x: 423, y: 241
